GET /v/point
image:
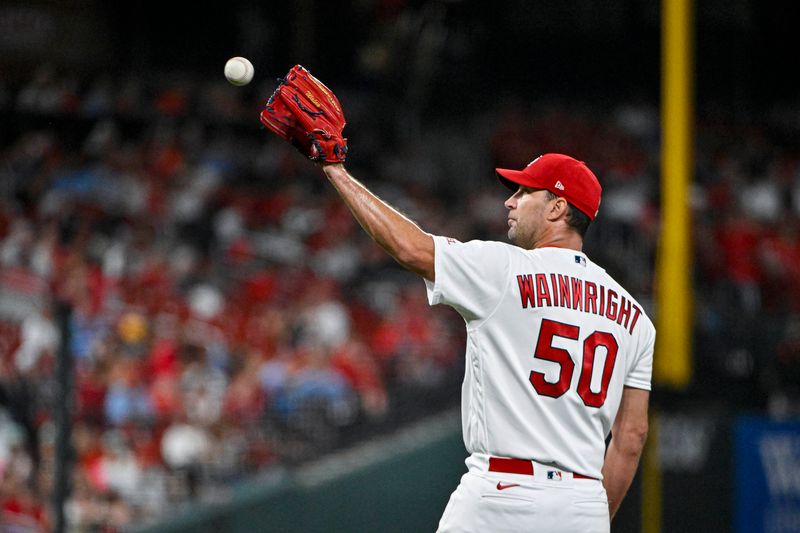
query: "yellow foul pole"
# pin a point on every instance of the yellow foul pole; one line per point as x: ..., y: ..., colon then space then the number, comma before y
x: 672, y: 364
x: 673, y: 358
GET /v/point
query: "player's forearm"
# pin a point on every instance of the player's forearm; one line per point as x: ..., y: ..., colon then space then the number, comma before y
x: 399, y: 236
x: 621, y: 462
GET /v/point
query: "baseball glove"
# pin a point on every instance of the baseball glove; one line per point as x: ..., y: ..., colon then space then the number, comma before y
x: 303, y: 111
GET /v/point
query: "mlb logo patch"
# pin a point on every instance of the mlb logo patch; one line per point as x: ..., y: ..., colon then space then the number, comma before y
x: 580, y: 260
x: 554, y: 475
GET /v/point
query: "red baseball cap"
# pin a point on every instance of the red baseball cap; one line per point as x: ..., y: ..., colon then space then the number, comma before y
x: 561, y: 175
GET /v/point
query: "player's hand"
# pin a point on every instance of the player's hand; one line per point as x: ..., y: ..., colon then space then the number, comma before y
x: 303, y: 111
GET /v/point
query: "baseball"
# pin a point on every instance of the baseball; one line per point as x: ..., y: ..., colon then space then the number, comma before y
x: 239, y: 71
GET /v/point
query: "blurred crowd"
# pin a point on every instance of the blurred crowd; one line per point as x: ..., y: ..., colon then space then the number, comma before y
x: 228, y: 314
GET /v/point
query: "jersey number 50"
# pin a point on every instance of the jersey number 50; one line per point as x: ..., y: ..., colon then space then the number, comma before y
x: 545, y: 350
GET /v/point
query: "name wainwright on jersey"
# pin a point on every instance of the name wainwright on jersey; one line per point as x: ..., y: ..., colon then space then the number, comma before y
x: 559, y: 290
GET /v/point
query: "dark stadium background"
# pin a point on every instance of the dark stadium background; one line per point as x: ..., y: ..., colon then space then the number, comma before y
x: 462, y: 86
x: 579, y: 49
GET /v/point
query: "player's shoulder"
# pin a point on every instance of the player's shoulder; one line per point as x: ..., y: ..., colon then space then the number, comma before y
x: 552, y: 258
x: 646, y: 328
x: 552, y: 252
x: 476, y: 246
x: 602, y: 276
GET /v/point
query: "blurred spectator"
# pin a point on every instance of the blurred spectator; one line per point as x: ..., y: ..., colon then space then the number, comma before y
x: 39, y: 337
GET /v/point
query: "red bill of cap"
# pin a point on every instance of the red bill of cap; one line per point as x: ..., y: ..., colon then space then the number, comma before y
x: 563, y: 176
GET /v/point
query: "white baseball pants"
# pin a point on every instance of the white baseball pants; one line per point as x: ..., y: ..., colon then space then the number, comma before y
x: 548, y: 501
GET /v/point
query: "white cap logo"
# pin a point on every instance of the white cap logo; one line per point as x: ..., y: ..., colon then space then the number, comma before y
x: 559, y: 185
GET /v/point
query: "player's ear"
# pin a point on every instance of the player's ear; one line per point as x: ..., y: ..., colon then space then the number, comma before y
x: 558, y: 208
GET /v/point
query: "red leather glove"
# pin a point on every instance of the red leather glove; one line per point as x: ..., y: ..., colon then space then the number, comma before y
x: 303, y: 111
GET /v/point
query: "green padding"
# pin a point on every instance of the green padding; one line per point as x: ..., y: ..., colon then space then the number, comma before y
x: 397, y: 488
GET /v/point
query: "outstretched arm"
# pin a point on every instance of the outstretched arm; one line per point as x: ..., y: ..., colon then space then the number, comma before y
x: 399, y: 236
x: 628, y: 436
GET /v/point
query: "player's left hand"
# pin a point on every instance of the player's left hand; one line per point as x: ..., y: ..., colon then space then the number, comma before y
x: 303, y: 111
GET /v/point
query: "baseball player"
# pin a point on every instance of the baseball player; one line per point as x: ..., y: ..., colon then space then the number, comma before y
x: 558, y: 354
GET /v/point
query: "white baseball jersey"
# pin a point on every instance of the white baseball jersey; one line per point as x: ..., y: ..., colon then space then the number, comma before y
x: 551, y: 341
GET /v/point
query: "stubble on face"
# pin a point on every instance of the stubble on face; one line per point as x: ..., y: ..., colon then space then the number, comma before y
x: 523, y: 225
x: 515, y: 235
x: 520, y: 236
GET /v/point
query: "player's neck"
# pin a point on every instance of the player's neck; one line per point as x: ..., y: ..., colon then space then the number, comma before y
x: 560, y: 239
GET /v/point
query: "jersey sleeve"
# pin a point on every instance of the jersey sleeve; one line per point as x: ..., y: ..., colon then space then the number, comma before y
x: 641, y: 370
x: 470, y: 277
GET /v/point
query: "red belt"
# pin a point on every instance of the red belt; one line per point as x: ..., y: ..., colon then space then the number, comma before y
x: 519, y: 466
